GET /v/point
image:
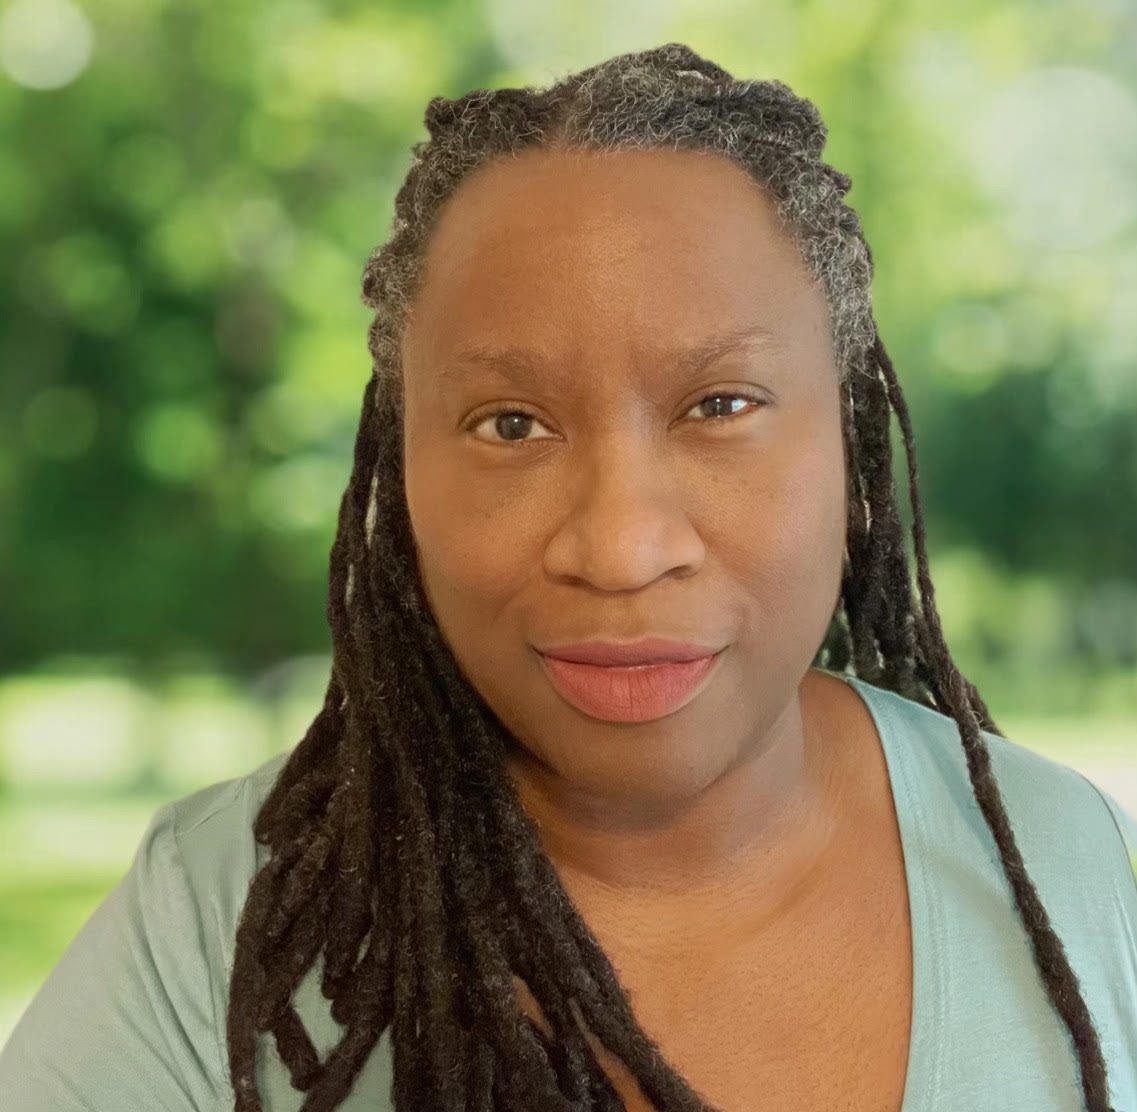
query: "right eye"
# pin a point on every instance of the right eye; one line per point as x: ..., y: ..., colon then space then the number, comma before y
x: 507, y: 421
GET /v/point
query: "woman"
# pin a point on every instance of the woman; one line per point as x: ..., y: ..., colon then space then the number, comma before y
x: 641, y: 780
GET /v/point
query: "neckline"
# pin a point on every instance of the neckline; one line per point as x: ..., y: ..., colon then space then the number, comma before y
x: 924, y: 903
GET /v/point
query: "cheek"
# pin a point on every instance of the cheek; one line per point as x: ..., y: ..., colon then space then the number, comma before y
x: 783, y: 533
x: 471, y: 548
x: 810, y: 509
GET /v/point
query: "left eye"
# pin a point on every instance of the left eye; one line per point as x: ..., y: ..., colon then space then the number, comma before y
x: 718, y: 398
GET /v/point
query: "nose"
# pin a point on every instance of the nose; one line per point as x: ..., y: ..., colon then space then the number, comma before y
x: 626, y: 523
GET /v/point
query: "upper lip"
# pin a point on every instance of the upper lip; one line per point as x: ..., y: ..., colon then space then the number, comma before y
x: 653, y: 650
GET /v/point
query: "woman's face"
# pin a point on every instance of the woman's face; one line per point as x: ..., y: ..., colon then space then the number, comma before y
x: 619, y: 502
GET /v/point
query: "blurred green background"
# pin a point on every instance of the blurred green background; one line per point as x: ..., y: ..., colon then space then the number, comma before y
x: 188, y: 192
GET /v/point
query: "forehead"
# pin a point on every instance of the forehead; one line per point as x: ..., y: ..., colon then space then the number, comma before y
x: 642, y: 247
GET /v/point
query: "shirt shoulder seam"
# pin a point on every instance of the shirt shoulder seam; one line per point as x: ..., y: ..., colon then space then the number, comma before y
x: 1127, y: 851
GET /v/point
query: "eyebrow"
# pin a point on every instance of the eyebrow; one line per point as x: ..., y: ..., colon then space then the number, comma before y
x: 516, y: 361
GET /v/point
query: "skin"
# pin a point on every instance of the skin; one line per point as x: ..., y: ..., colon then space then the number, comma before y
x: 624, y: 511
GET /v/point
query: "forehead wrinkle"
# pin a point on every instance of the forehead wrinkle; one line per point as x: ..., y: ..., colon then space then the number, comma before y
x: 525, y: 366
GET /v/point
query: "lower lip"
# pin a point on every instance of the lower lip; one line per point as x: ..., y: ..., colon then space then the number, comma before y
x: 628, y: 694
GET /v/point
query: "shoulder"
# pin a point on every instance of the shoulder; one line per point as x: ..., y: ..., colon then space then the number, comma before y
x: 214, y: 824
x: 1075, y: 838
x: 1055, y: 806
x: 150, y: 966
x: 211, y: 832
x: 226, y: 801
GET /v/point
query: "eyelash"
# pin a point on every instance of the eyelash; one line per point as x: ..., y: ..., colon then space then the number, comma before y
x: 757, y: 399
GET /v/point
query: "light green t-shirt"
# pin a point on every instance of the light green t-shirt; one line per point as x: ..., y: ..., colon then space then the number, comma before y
x: 133, y: 1016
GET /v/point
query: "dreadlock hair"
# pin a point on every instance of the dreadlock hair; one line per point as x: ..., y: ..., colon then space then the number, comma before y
x: 400, y: 848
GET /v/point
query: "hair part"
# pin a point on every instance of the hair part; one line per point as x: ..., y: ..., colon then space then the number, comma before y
x: 402, y: 859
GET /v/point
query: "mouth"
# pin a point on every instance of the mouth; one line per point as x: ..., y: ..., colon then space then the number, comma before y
x: 649, y: 650
x: 629, y: 692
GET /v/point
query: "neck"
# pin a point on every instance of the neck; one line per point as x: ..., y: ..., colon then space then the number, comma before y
x: 755, y: 838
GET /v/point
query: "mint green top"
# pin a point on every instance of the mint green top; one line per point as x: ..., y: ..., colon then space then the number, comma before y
x: 133, y: 1016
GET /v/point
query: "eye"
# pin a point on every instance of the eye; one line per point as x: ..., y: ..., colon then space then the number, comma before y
x: 510, y: 424
x: 729, y: 395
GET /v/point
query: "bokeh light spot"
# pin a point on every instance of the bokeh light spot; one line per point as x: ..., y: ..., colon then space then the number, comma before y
x: 1058, y: 149
x: 178, y: 441
x: 44, y: 44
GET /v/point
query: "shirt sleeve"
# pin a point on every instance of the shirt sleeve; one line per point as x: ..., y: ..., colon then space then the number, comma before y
x: 125, y: 1020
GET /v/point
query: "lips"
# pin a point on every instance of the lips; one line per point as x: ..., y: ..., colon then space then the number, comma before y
x: 628, y: 693
x: 652, y: 650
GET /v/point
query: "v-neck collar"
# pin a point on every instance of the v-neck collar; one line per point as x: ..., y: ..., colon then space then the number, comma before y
x: 929, y: 989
